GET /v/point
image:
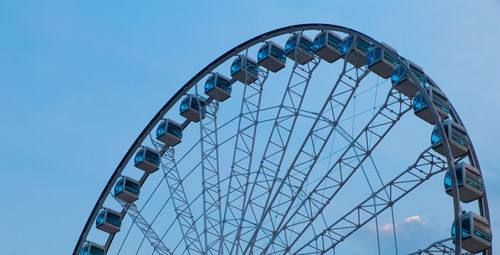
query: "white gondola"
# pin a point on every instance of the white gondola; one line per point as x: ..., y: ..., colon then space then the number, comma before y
x: 244, y: 69
x: 469, y: 181
x: 193, y: 108
x: 357, y: 48
x: 402, y: 82
x: 108, y: 221
x: 271, y: 56
x: 327, y: 46
x: 439, y: 102
x: 382, y: 61
x: 218, y: 86
x: 457, y: 137
x: 476, y: 232
x: 169, y: 132
x: 90, y: 248
x: 147, y: 159
x: 127, y: 189
x: 299, y: 48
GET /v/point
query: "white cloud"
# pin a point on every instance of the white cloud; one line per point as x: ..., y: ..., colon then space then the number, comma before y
x: 386, y: 227
x: 413, y: 218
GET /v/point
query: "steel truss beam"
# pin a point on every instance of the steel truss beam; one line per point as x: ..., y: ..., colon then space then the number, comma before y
x: 274, y: 152
x: 145, y: 227
x: 427, y: 165
x: 246, y: 115
x: 212, y: 211
x: 239, y: 177
x: 181, y: 204
x: 308, y: 154
x: 395, y: 106
x: 443, y: 247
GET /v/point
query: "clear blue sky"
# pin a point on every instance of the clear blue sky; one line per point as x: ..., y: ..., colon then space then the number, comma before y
x: 80, y: 79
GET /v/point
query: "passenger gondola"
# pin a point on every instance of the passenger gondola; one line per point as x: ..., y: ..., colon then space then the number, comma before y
x: 403, y: 83
x: 193, y: 108
x: 469, y: 181
x: 382, y: 60
x: 90, y: 248
x: 299, y: 48
x: 439, y: 102
x: 327, y: 46
x: 476, y: 232
x: 271, y: 56
x: 169, y: 132
x: 147, y: 159
x: 108, y: 221
x: 127, y: 189
x: 357, y: 49
x: 244, y: 69
x: 218, y: 87
x: 457, y: 137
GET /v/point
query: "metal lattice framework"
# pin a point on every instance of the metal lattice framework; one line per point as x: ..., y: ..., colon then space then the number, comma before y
x: 242, y: 160
x: 275, y: 149
x: 145, y: 227
x: 427, y: 165
x: 181, y: 204
x: 257, y: 174
x: 443, y: 247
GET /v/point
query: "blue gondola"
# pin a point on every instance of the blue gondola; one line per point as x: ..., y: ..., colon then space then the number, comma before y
x: 357, y: 49
x: 327, y: 46
x: 193, y: 108
x: 90, y: 248
x: 147, y: 159
x: 169, y: 132
x: 382, y: 60
x: 403, y: 83
x: 476, y: 232
x: 271, y: 56
x: 127, y: 189
x: 469, y: 181
x: 218, y: 86
x: 439, y: 102
x: 108, y: 221
x: 457, y: 137
x: 244, y: 69
x: 301, y: 54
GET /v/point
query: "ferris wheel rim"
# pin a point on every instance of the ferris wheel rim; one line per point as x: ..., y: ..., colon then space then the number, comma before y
x: 207, y: 70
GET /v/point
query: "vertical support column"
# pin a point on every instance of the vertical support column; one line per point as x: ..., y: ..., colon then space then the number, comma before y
x: 242, y: 159
x: 212, y: 216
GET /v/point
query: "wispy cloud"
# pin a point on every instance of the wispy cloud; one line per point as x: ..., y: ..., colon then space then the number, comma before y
x: 389, y: 226
x: 413, y: 218
x: 386, y: 227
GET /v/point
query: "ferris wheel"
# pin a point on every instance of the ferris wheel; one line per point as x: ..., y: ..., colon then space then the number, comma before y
x: 292, y: 143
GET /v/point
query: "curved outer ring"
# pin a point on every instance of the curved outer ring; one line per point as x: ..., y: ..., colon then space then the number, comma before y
x: 483, y: 205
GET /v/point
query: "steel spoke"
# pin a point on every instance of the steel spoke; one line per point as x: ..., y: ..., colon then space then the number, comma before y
x: 426, y: 166
x: 274, y: 151
x: 335, y: 178
x: 311, y: 148
x: 144, y: 226
x: 212, y: 211
x: 443, y: 247
x: 239, y: 178
x: 181, y: 204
